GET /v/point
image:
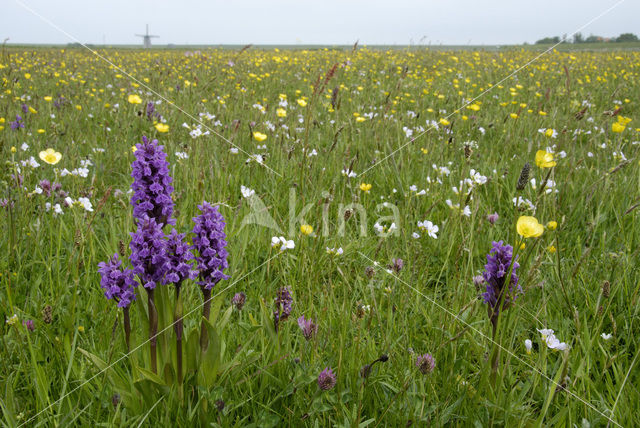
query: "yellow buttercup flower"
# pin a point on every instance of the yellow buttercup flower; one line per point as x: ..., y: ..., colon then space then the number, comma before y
x: 162, y: 127
x: 528, y: 227
x: 133, y: 149
x: 617, y: 127
x: 27, y: 75
x: 50, y: 156
x: 281, y: 112
x: 134, y: 99
x: 306, y: 229
x: 544, y: 159
x: 48, y: 98
x: 259, y: 136
x: 552, y: 225
x: 551, y: 249
x: 302, y: 103
x: 444, y: 122
x: 365, y: 187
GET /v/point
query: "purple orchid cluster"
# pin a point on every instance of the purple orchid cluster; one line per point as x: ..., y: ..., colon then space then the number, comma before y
x: 500, y: 293
x: 209, y: 242
x: 158, y: 259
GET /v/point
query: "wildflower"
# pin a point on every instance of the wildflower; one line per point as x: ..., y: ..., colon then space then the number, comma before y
x: 308, y: 327
x: 29, y: 325
x: 162, y: 127
x: 247, y: 192
x: 553, y: 342
x: 617, y: 127
x: 425, y: 363
x: 365, y: 187
x: 528, y: 345
x: 606, y: 336
x: 239, y: 300
x: 498, y: 295
x: 179, y: 259
x: 50, y: 156
x: 492, y: 218
x: 282, y: 243
x: 552, y: 225
x: 306, y: 229
x: 209, y: 242
x: 283, y: 302
x: 428, y: 227
x: 85, y: 203
x: 444, y: 122
x: 529, y: 227
x: 151, y: 183
x: 335, y: 251
x: 544, y: 159
x: 117, y: 282
x: 12, y: 320
x: 134, y: 99
x: 326, y: 379
x: 301, y: 102
x: 280, y: 112
x: 551, y: 249
x: 81, y: 329
x: 396, y: 265
x: 259, y: 136
x: 148, y: 253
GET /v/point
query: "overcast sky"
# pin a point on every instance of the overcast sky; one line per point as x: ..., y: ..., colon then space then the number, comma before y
x: 313, y: 22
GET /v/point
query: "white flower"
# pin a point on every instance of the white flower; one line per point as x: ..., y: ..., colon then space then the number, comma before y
x: 415, y: 235
x: 24, y: 147
x: 606, y: 336
x: 38, y: 190
x: 86, y: 204
x: 247, y: 192
x: 68, y: 201
x: 528, y: 345
x: 12, y: 319
x: 477, y: 177
x: 234, y: 150
x: 429, y: 227
x: 545, y: 332
x: 349, y: 173
x: 335, y: 251
x: 182, y: 155
x: 282, y: 243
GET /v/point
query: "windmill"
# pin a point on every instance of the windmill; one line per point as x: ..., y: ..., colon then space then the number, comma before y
x: 146, y: 38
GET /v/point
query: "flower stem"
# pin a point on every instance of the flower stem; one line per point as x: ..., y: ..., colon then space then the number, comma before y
x: 153, y: 331
x: 178, y: 327
x: 206, y: 311
x: 127, y: 327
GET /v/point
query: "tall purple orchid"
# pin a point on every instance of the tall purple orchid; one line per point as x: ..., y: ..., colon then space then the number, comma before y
x: 209, y: 243
x: 151, y: 183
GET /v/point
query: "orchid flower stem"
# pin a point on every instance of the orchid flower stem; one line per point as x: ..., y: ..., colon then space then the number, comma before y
x: 206, y: 311
x: 127, y: 328
x: 153, y: 331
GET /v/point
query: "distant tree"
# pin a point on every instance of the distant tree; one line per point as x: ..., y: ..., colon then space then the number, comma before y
x: 627, y: 37
x: 593, y: 39
x: 578, y: 38
x: 548, y: 40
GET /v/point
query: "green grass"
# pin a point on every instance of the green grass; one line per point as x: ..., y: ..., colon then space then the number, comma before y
x: 52, y: 376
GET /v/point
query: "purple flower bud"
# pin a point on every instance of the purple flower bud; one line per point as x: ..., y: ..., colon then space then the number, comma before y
x: 326, y: 379
x: 239, y: 300
x: 118, y: 283
x: 308, y: 327
x: 17, y: 124
x: 151, y: 183
x: 396, y: 265
x: 425, y: 363
x: 492, y: 218
x: 29, y: 325
x: 209, y: 242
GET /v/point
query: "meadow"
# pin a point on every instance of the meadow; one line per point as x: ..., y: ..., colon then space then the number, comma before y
x: 357, y: 193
